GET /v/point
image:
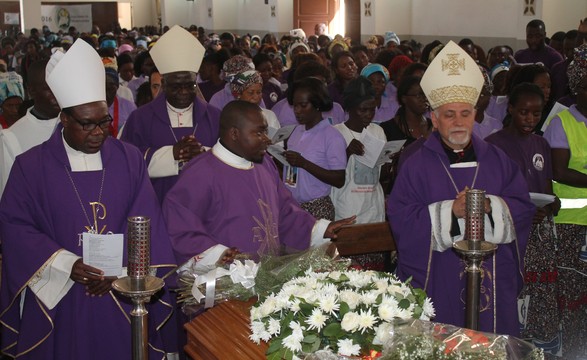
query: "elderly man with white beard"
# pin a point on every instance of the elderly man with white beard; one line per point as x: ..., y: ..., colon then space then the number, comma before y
x: 426, y: 208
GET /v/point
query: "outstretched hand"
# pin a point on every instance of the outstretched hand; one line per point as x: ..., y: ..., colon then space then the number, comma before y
x: 335, y: 226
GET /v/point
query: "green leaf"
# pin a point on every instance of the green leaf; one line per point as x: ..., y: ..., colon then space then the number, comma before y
x: 332, y: 329
x: 274, y: 345
x: 281, y: 354
x: 306, y: 308
x: 344, y: 308
x: 310, y: 339
x: 404, y: 303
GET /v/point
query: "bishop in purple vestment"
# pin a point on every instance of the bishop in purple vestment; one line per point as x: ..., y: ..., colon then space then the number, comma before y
x: 52, y: 304
x: 176, y: 126
x: 426, y: 208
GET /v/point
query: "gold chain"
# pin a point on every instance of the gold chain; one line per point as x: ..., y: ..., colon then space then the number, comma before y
x: 80, y: 199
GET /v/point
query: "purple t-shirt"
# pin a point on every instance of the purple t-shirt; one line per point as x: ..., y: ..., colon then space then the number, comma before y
x: 208, y: 89
x: 324, y: 146
x: 387, y: 110
x: 488, y: 126
x: 284, y: 112
x: 547, y: 55
x: 531, y: 153
x: 555, y: 133
x: 498, y: 107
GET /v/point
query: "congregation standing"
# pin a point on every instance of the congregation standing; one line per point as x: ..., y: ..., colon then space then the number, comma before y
x: 183, y: 121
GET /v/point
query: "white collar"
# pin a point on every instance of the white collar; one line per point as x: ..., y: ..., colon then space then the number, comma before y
x: 230, y: 158
x: 80, y: 161
x: 178, y: 110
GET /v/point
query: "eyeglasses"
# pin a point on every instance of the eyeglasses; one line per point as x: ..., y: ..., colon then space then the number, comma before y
x: 104, y: 124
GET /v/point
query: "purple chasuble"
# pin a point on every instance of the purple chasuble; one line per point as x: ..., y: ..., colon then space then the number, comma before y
x: 40, y: 214
x: 423, y: 181
x: 531, y: 153
x: 214, y: 203
x: 149, y: 128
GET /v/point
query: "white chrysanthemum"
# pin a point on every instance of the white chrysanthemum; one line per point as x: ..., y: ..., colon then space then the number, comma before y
x: 381, y: 285
x: 316, y: 320
x: 293, y: 343
x: 274, y: 327
x: 351, y: 298
x: 257, y: 328
x: 382, y: 333
x: 428, y: 309
x: 369, y: 297
x: 366, y: 320
x: 294, y: 305
x: 329, y: 289
x: 265, y: 336
x: 268, y: 306
x: 334, y: 275
x: 387, y: 310
x: 405, y: 313
x: 350, y: 321
x: 346, y: 347
x: 395, y: 289
x: 296, y: 326
x: 328, y: 304
x: 358, y: 279
x: 255, y: 313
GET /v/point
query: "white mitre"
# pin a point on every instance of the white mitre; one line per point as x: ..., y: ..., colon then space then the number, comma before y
x: 452, y: 77
x: 177, y: 50
x: 77, y: 76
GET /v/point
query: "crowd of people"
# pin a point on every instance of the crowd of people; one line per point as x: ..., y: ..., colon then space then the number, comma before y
x: 183, y: 120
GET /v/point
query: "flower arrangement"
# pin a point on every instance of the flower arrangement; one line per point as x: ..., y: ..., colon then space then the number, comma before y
x: 349, y: 312
x: 424, y: 340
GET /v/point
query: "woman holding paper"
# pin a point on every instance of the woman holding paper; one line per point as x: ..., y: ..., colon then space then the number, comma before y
x: 316, y: 152
x: 532, y: 154
x: 361, y: 194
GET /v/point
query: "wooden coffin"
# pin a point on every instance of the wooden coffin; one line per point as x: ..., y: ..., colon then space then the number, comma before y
x: 222, y: 332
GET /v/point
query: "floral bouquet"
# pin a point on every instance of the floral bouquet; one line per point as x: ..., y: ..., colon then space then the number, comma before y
x: 205, y: 282
x: 425, y: 340
x: 349, y: 312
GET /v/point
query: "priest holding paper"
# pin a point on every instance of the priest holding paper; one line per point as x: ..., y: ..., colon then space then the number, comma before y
x: 426, y: 208
x: 62, y: 218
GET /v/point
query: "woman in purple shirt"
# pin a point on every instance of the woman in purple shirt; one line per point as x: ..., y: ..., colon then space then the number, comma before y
x: 316, y: 151
x: 344, y: 69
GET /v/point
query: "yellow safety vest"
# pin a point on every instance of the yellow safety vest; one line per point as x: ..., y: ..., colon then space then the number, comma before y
x: 573, y: 199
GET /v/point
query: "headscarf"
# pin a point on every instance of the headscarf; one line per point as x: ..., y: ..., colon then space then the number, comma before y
x: 296, y: 44
x: 374, y: 68
x: 236, y: 64
x: 390, y: 36
x: 357, y: 91
x: 338, y: 40
x: 398, y: 63
x: 244, y: 80
x: 504, y: 66
x: 577, y: 68
x: 124, y: 48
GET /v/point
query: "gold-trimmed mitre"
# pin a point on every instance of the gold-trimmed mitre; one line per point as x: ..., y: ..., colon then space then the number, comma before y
x: 453, y: 76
